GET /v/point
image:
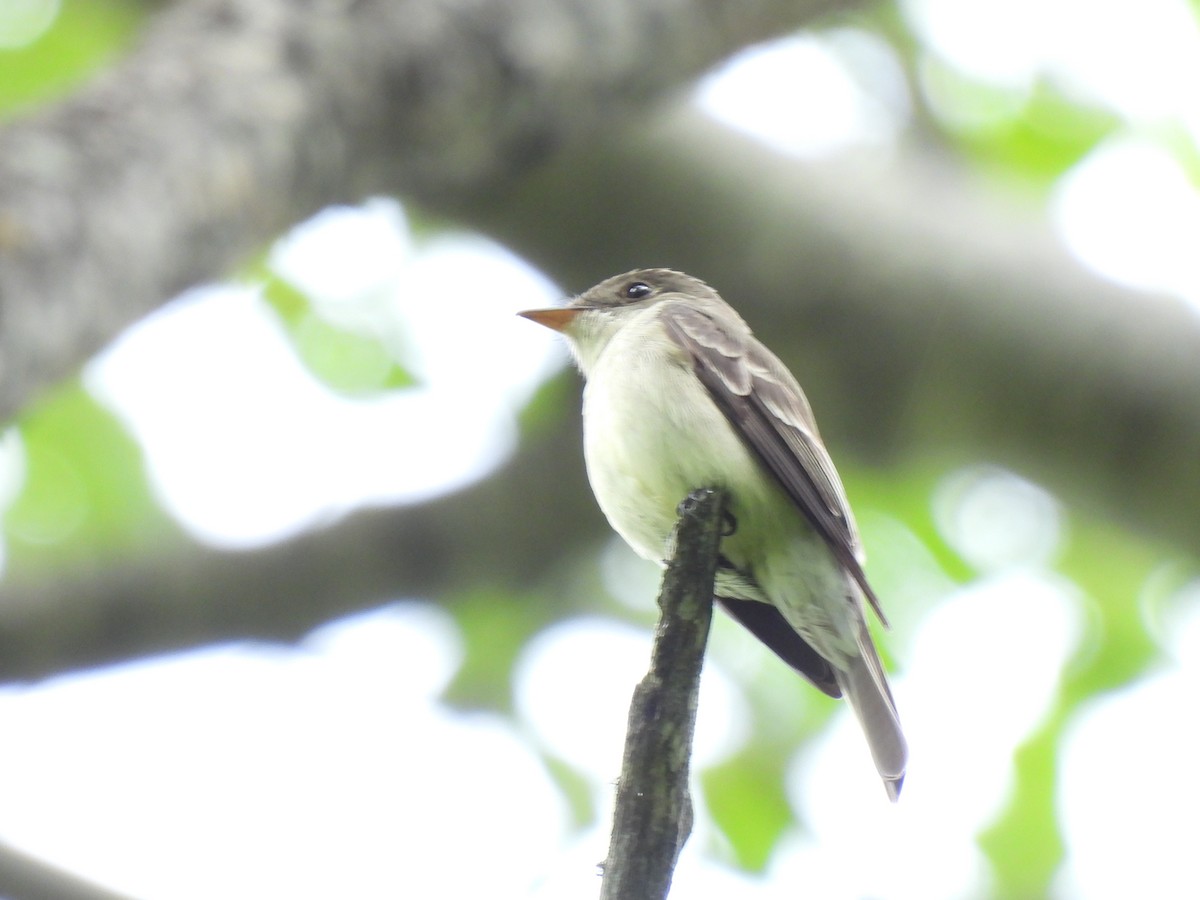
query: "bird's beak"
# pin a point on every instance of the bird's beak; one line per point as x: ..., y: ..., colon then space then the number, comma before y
x: 559, y: 317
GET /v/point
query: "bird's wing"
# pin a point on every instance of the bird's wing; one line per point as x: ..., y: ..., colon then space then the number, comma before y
x: 768, y: 410
x: 767, y: 624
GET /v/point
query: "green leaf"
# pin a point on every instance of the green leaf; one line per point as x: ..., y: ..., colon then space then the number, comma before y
x: 1024, y: 844
x: 346, y: 361
x: 747, y: 800
x: 1038, y: 135
x: 288, y: 301
x: 1112, y: 566
x: 903, y: 495
x: 85, y: 492
x: 576, y: 790
x: 547, y: 406
x: 85, y: 35
x: 495, y: 628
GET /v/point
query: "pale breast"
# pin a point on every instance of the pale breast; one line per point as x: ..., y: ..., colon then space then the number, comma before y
x: 652, y: 435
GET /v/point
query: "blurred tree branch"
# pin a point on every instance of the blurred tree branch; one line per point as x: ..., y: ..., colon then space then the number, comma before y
x: 234, y: 119
x: 507, y: 530
x: 24, y: 877
x: 925, y: 317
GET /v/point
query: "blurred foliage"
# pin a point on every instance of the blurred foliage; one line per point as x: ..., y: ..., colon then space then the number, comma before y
x: 85, y: 494
x: 746, y: 793
x: 576, y: 789
x: 879, y: 490
x: 1032, y: 137
x: 495, y: 628
x: 1113, y: 568
x: 545, y: 408
x: 347, y: 361
x: 746, y: 797
x: 85, y: 35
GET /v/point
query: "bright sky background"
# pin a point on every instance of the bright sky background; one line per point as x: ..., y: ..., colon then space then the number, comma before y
x: 329, y: 769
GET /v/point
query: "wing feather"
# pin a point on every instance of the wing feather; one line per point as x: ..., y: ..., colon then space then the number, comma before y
x: 767, y: 408
x: 767, y: 624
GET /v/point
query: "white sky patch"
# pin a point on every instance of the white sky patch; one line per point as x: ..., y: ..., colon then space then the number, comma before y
x: 1141, y: 61
x: 993, y: 41
x: 1130, y: 211
x: 629, y: 579
x: 966, y: 704
x: 1127, y: 789
x: 811, y: 95
x: 12, y: 476
x: 995, y: 519
x: 321, y: 771
x: 573, y: 683
x: 348, y: 259
x: 245, y: 446
x: 24, y: 21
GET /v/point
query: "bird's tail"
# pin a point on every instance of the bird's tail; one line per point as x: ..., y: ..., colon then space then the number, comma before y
x: 865, y: 686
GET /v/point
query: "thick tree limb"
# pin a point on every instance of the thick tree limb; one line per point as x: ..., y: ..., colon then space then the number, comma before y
x: 494, y: 533
x: 925, y: 317
x: 23, y: 877
x: 937, y: 322
x: 653, y: 815
x: 234, y: 119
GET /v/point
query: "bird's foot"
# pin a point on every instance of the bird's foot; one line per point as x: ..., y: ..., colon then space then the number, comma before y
x: 688, y: 503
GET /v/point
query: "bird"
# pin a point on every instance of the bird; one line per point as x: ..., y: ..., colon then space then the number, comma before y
x: 680, y: 395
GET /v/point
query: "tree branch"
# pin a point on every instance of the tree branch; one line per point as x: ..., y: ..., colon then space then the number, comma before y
x: 927, y: 318
x: 23, y: 877
x: 234, y: 119
x: 653, y: 815
x: 494, y: 533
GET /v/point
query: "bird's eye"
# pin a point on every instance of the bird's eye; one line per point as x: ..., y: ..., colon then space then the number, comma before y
x: 637, y: 290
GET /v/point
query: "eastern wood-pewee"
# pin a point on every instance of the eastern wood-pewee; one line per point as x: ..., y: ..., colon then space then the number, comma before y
x: 680, y: 395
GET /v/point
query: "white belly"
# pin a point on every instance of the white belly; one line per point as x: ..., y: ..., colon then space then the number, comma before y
x: 652, y: 435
